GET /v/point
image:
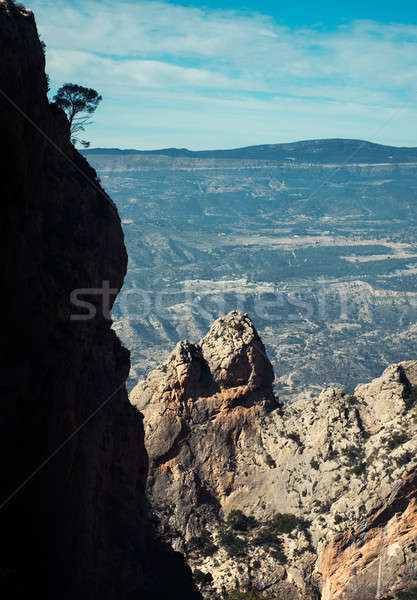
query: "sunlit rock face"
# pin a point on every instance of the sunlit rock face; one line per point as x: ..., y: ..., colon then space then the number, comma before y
x: 378, y: 558
x: 202, y: 410
x: 219, y: 441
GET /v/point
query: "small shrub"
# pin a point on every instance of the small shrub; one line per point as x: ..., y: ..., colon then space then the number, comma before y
x: 353, y: 454
x: 203, y: 543
x: 296, y: 438
x: 352, y: 400
x: 6, y: 576
x: 358, y: 469
x: 202, y: 578
x: 308, y: 538
x: 397, y: 439
x: 314, y: 464
x: 404, y: 459
x: 238, y: 521
x: 284, y: 523
x: 270, y: 461
x: 325, y: 507
x: 233, y: 544
x: 279, y: 555
x: 267, y: 538
x: 332, y: 454
x: 338, y: 519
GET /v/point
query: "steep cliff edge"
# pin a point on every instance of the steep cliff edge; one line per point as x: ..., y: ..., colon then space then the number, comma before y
x: 77, y: 528
x: 378, y: 558
x: 262, y: 496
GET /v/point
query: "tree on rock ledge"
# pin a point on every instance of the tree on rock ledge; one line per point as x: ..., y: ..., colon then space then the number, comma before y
x: 78, y: 103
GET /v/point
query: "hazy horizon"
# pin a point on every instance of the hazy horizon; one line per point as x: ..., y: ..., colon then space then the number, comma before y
x: 170, y: 147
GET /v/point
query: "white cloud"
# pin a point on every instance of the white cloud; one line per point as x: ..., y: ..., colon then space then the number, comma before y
x: 251, y: 44
x: 136, y: 74
x: 241, y: 66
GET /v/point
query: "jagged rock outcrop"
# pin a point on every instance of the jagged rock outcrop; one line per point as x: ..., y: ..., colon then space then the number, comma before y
x: 73, y: 519
x: 202, y: 410
x: 386, y: 397
x: 325, y: 463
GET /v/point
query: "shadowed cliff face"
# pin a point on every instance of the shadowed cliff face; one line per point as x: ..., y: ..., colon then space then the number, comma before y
x: 60, y: 232
x: 78, y: 528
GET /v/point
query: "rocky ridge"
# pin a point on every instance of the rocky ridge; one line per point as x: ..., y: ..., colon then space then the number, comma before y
x: 308, y: 480
x: 207, y: 396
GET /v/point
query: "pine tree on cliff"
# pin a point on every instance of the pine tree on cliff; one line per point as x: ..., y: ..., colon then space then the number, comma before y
x: 78, y: 103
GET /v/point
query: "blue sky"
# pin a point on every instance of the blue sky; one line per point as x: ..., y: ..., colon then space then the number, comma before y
x: 221, y: 75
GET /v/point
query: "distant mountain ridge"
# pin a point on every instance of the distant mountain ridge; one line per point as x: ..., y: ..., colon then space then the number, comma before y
x: 339, y: 151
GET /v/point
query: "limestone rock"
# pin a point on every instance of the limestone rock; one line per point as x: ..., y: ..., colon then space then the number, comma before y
x: 386, y: 396
x: 219, y: 442
x: 379, y: 557
x: 235, y: 354
x: 202, y: 412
